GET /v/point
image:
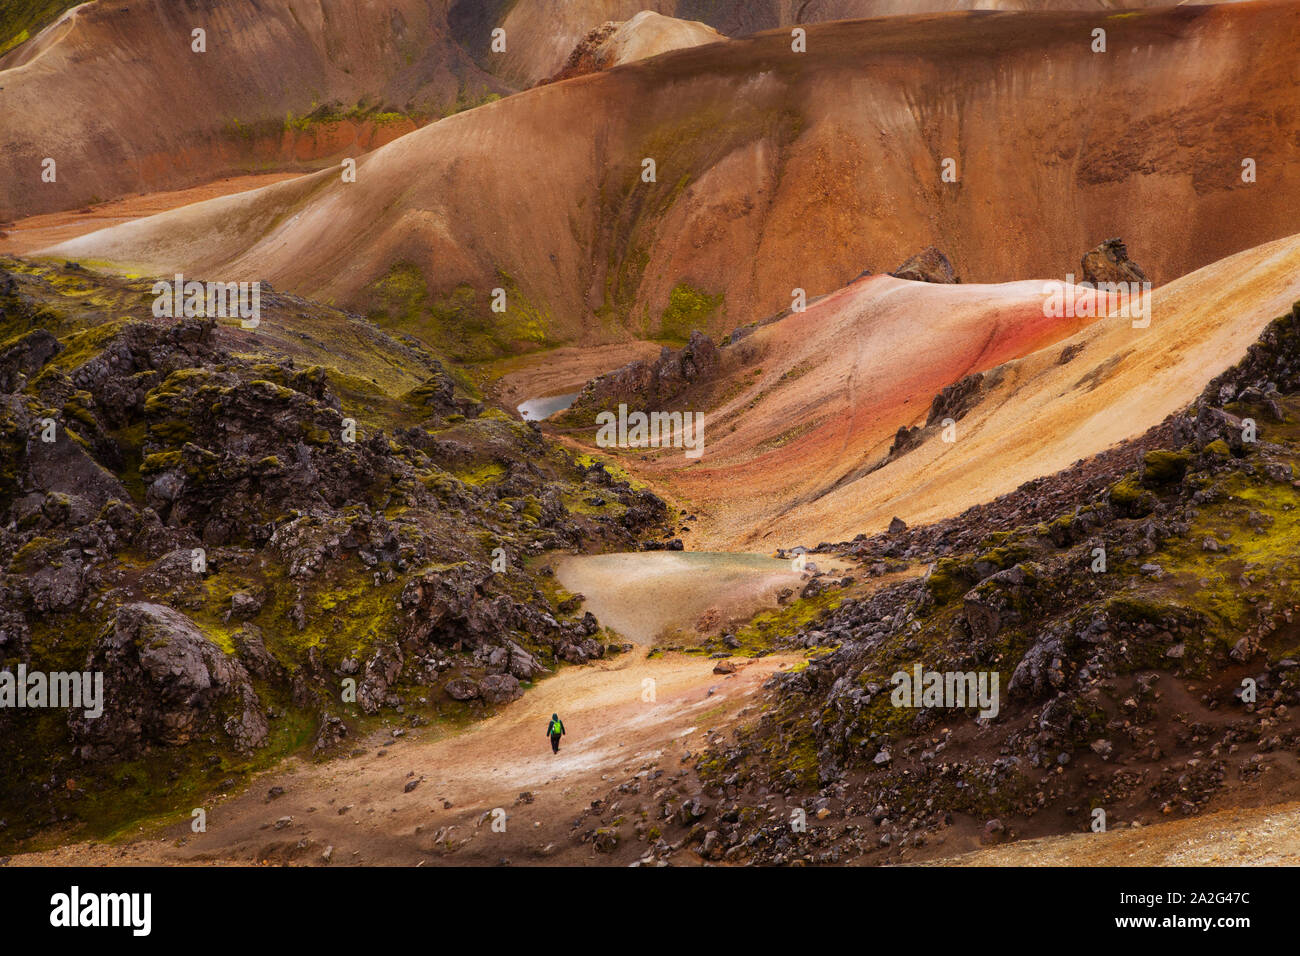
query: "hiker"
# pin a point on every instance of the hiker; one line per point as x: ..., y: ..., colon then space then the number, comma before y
x: 555, y: 730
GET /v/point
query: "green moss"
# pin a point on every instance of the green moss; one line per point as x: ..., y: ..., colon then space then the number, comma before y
x: 482, y: 474
x: 524, y: 321
x: 1162, y: 467
x: 314, y: 434
x: 688, y: 309
x: 321, y: 116
x: 461, y: 323
x: 618, y: 472
x: 761, y: 633
x: 22, y: 19
x: 33, y: 554
x: 1130, y: 498
x: 951, y: 577
x: 578, y: 503
x: 161, y: 461
x: 1259, y: 564
x: 634, y: 211
x: 80, y: 347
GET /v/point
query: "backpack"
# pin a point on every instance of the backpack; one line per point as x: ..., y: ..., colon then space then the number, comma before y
x: 557, y: 727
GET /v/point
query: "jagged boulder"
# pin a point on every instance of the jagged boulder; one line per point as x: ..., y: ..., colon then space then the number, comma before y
x: 996, y: 603
x: 956, y: 400
x: 439, y: 396
x: 165, y: 683
x: 1109, y: 262
x: 522, y: 664
x: 381, y: 670
x: 1205, y: 425
x: 500, y: 688
x: 137, y: 358
x: 59, y: 587
x: 462, y: 688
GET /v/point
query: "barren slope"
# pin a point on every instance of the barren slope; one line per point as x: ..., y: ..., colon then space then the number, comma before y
x: 816, y: 398
x: 778, y: 170
x: 1064, y: 402
x: 114, y: 93
x: 36, y: 232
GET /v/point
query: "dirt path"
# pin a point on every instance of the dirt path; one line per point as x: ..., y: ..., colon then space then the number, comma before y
x: 359, y: 806
x: 627, y: 715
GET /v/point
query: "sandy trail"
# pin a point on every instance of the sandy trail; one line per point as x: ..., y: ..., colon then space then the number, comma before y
x: 358, y: 805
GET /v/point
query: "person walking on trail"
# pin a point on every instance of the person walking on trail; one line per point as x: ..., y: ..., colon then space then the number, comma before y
x: 555, y: 730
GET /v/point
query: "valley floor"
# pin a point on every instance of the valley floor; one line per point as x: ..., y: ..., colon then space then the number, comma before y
x: 359, y: 805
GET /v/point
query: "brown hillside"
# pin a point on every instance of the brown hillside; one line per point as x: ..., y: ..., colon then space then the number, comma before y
x: 778, y: 171
x: 115, y: 95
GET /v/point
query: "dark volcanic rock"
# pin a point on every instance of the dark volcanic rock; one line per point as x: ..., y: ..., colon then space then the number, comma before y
x: 165, y: 683
x: 500, y: 688
x: 958, y: 399
x: 462, y: 688
x: 651, y: 385
x: 189, y: 511
x: 26, y: 356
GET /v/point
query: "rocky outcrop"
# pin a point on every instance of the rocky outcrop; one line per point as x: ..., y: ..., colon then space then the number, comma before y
x: 928, y: 265
x: 165, y: 684
x: 588, y: 56
x: 958, y: 399
x: 953, y: 402
x: 650, y: 385
x: 27, y: 355
x: 1109, y: 262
